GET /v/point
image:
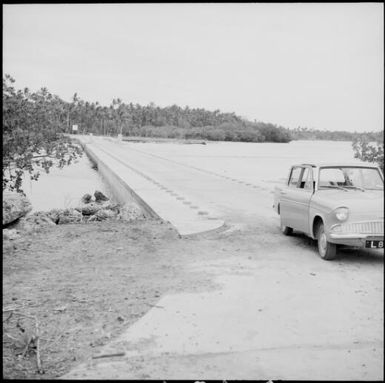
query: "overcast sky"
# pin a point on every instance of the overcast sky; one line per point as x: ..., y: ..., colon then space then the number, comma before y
x: 314, y: 65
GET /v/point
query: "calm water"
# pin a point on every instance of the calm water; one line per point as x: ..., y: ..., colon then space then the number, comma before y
x: 63, y: 188
x: 266, y: 162
x: 254, y: 162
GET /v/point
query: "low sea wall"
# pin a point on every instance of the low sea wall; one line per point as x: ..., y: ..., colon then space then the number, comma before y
x: 121, y: 191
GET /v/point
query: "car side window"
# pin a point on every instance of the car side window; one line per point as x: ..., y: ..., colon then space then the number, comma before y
x: 294, y: 178
x: 306, y: 181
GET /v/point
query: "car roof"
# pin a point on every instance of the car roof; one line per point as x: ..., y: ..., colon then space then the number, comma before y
x: 339, y: 164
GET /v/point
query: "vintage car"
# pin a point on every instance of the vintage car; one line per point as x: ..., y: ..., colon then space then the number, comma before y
x: 336, y: 204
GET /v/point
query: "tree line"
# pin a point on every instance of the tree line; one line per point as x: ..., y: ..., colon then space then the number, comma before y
x: 304, y: 133
x: 35, y: 123
x: 33, y: 127
x: 169, y: 122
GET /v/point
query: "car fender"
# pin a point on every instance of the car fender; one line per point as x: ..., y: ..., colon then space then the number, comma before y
x: 315, y: 213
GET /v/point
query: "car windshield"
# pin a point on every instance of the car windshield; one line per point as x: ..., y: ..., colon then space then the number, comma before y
x: 347, y: 178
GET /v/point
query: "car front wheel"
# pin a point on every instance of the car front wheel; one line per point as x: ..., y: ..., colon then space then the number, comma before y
x: 326, y: 250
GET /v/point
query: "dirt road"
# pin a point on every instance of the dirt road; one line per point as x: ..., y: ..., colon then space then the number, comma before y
x: 275, y: 310
x: 244, y: 303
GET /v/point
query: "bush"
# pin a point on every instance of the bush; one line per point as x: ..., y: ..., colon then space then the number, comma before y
x: 369, y: 152
x: 33, y: 139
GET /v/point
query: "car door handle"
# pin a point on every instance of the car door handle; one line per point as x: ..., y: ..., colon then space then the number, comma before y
x: 283, y: 193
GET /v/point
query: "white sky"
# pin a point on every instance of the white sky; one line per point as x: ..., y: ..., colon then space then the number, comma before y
x: 315, y: 65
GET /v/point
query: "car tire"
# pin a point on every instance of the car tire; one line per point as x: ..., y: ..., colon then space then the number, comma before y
x: 286, y: 230
x: 326, y: 250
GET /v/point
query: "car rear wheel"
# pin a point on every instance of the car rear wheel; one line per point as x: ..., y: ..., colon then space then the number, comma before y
x: 286, y: 229
x: 326, y: 250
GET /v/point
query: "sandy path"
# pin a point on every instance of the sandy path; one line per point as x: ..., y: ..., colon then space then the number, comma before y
x: 277, y: 312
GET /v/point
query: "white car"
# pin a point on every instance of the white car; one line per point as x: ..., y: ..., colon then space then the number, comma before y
x: 336, y: 204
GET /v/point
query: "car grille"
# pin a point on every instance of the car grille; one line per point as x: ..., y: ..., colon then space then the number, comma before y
x: 368, y: 227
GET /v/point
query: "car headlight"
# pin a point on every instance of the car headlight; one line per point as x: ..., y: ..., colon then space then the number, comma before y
x: 342, y: 213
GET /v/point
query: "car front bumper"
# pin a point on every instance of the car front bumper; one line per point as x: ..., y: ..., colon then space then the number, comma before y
x: 353, y: 239
x: 356, y: 234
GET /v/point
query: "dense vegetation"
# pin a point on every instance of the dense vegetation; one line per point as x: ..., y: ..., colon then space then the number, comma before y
x: 366, y: 149
x: 170, y: 122
x: 189, y: 123
x: 303, y: 133
x: 34, y: 125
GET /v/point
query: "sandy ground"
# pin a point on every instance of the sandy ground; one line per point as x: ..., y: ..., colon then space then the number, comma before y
x: 88, y: 283
x: 273, y: 310
x: 84, y: 283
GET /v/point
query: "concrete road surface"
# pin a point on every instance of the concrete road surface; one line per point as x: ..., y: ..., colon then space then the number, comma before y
x: 278, y: 311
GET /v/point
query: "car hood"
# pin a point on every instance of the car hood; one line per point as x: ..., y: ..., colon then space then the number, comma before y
x: 369, y: 201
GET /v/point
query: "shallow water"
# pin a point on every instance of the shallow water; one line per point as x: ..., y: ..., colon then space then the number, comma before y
x: 63, y: 188
x: 254, y: 162
x: 263, y: 162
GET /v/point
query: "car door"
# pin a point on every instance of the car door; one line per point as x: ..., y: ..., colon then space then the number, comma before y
x: 296, y: 198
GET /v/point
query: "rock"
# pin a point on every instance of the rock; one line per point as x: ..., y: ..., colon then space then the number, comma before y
x: 99, y: 196
x: 10, y: 234
x: 15, y: 206
x: 112, y: 206
x: 70, y: 216
x: 86, y: 198
x: 54, y: 214
x: 130, y: 212
x: 89, y: 208
x: 40, y: 218
x: 35, y: 220
x: 105, y: 214
x: 102, y: 215
x: 93, y: 218
x: 93, y: 207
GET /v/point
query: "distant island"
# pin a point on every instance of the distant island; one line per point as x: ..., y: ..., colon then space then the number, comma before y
x: 314, y: 134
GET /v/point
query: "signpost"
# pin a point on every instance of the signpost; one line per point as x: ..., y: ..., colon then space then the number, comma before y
x: 74, y: 129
